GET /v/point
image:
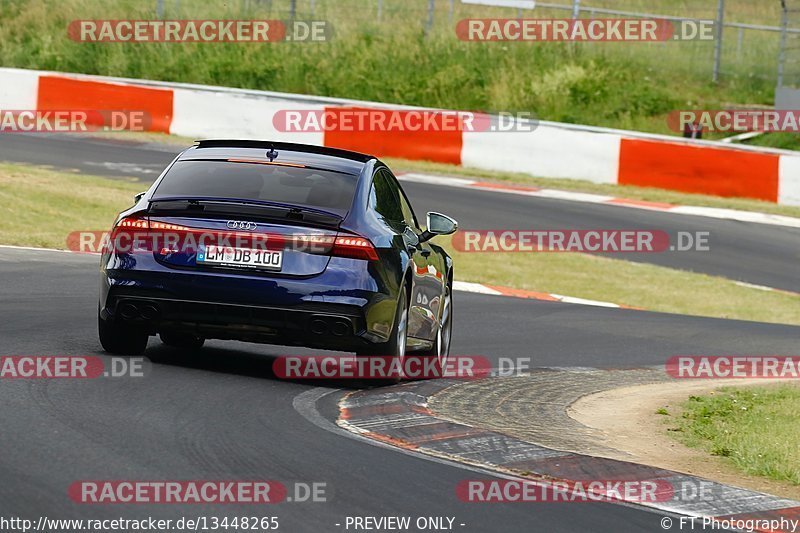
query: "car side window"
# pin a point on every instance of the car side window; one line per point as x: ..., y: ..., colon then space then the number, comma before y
x: 408, y: 212
x: 405, y: 206
x: 384, y: 198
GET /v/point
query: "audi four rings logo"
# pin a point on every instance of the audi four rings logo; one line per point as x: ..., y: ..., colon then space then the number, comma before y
x: 239, y: 224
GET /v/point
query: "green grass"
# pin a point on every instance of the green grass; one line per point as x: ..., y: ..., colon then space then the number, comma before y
x: 756, y: 429
x: 625, y: 85
x: 639, y: 285
x: 41, y: 207
x: 784, y: 141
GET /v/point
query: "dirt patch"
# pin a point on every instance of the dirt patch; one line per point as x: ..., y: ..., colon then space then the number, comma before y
x: 626, y: 420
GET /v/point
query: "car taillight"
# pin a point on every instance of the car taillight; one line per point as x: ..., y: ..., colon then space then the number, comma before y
x: 136, y: 232
x: 131, y: 223
x: 130, y: 226
x: 354, y: 248
x: 162, y: 226
x: 126, y: 232
x: 188, y: 238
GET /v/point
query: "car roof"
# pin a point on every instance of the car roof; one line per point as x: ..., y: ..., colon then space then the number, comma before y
x: 321, y: 157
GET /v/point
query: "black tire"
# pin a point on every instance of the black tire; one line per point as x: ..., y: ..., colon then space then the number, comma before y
x: 183, y: 341
x: 118, y: 339
x: 441, y: 346
x: 396, y: 346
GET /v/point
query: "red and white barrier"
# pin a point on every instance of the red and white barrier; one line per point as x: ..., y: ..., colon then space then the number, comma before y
x: 225, y: 115
x: 552, y: 150
x: 548, y: 151
x: 18, y: 88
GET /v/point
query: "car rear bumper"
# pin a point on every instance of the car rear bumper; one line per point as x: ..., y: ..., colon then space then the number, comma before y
x: 339, y: 309
x: 320, y: 326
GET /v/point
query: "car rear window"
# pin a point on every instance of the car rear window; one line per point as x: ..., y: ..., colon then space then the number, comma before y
x: 321, y: 189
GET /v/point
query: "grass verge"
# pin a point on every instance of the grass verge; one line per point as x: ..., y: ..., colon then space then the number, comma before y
x: 755, y: 428
x: 645, y: 286
x: 782, y: 140
x: 40, y: 207
x: 43, y: 206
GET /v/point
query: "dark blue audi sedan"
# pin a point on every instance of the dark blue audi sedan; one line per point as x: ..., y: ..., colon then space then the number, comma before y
x: 277, y: 243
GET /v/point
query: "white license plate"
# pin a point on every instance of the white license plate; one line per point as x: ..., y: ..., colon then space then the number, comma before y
x: 240, y: 257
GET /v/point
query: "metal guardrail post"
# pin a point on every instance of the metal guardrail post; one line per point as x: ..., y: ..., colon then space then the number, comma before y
x: 740, y: 44
x: 719, y: 25
x: 784, y: 33
x: 429, y: 22
x: 576, y: 9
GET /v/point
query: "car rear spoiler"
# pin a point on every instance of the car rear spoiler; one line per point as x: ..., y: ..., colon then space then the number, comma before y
x: 291, y: 147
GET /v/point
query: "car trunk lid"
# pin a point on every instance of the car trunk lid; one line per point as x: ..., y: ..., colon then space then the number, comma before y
x: 264, y: 239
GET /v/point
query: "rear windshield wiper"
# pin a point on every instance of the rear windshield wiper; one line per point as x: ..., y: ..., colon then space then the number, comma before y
x: 252, y: 208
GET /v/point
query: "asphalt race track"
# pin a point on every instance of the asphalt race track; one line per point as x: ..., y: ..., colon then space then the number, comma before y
x: 224, y: 416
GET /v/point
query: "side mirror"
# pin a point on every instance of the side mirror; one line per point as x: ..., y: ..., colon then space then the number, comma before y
x: 139, y: 197
x: 438, y: 224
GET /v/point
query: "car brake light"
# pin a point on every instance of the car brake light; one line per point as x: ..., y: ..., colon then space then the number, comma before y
x: 162, y: 226
x: 125, y: 232
x: 350, y: 246
x: 128, y: 227
x: 262, y: 162
x: 132, y: 222
x: 354, y: 248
